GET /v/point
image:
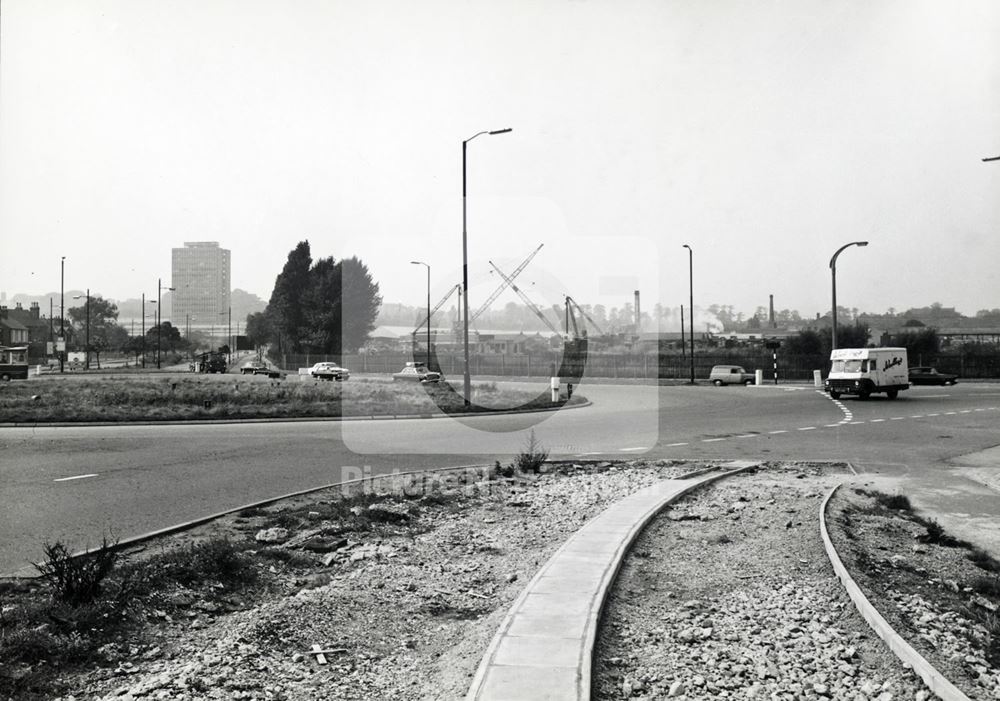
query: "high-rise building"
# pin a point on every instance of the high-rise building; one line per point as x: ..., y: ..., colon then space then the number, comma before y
x: 201, y: 285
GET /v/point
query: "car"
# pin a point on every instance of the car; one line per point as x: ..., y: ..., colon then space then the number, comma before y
x: 416, y: 372
x: 329, y: 372
x: 731, y: 375
x: 254, y: 367
x: 925, y: 375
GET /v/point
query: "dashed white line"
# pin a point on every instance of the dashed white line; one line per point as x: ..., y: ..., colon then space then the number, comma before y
x: 831, y: 425
x: 917, y: 416
x: 747, y: 435
x: 712, y: 440
x: 856, y: 423
x: 934, y: 414
x: 629, y: 450
x: 808, y: 428
x: 75, y: 477
x: 773, y: 432
x: 877, y: 421
x: 674, y: 445
x: 897, y: 418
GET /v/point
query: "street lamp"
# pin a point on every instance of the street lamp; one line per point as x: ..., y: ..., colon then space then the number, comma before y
x: 465, y: 263
x: 62, y: 310
x: 143, y: 310
x: 159, y: 317
x: 833, y: 279
x: 420, y: 262
x: 691, y: 303
x: 86, y: 349
x: 991, y: 158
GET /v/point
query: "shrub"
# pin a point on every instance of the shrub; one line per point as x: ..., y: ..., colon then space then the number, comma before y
x: 76, y: 580
x: 896, y: 502
x: 984, y: 561
x: 532, y: 457
x: 218, y: 559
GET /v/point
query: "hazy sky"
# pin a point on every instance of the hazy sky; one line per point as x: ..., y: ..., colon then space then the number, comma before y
x: 764, y: 134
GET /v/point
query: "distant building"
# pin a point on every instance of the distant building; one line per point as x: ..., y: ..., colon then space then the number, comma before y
x: 201, y: 282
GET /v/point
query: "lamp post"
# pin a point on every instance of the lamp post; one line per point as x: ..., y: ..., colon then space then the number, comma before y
x: 143, y: 310
x: 833, y: 280
x: 420, y: 262
x: 691, y: 304
x: 62, y: 310
x: 86, y: 349
x: 465, y: 261
x: 991, y: 158
x: 159, y: 318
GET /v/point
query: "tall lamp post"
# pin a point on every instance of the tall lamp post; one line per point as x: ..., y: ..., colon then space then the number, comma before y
x: 62, y: 310
x: 465, y: 261
x: 143, y: 310
x: 833, y: 279
x: 159, y: 317
x: 691, y: 304
x: 420, y: 262
x: 86, y: 349
x: 991, y: 158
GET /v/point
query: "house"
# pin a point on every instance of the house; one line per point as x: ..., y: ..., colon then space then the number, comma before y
x: 12, y: 331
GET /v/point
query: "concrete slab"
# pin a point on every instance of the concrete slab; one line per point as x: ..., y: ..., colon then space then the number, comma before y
x: 537, y: 683
x: 538, y: 652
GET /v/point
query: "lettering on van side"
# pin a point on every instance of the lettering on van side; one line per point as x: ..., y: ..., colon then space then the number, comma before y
x: 892, y: 363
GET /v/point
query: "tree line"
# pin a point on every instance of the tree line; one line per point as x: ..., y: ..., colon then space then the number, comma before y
x: 324, y: 306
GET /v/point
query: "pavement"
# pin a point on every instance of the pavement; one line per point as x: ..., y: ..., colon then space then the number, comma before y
x: 544, y: 646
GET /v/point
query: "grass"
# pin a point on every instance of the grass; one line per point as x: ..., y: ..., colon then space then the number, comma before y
x: 184, y: 396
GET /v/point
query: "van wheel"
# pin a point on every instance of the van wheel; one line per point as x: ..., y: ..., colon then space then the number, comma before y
x: 749, y: 382
x: 892, y: 393
x: 864, y: 394
x: 5, y: 377
x: 717, y: 383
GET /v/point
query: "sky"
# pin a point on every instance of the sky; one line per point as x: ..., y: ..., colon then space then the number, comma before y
x: 763, y: 134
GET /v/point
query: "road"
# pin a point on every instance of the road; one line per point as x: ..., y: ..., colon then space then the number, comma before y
x: 77, y: 483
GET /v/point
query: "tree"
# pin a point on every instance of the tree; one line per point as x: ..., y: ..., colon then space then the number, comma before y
x: 361, y: 302
x: 258, y: 329
x: 923, y: 344
x: 96, y: 328
x: 285, y: 310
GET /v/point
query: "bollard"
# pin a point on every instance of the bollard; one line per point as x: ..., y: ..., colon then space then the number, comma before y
x: 818, y: 379
x: 554, y: 384
x: 758, y: 377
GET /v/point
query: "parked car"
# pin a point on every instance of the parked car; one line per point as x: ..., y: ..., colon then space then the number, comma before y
x: 254, y: 367
x: 329, y: 372
x: 416, y: 372
x: 924, y: 375
x: 731, y: 375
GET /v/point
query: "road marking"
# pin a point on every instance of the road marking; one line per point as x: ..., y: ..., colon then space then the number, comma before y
x: 856, y: 423
x: 629, y: 450
x: 950, y: 413
x: 965, y: 411
x: 712, y: 440
x: 934, y: 414
x: 748, y: 435
x: 918, y: 416
x: 75, y: 477
x: 808, y: 428
x: 674, y: 445
x: 877, y: 421
x: 832, y: 425
x: 897, y: 418
x: 773, y: 432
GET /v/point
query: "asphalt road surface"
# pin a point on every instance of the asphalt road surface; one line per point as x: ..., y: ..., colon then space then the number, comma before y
x: 77, y: 483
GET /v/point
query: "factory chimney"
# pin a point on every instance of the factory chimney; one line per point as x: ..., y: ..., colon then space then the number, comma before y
x: 638, y: 314
x: 773, y: 325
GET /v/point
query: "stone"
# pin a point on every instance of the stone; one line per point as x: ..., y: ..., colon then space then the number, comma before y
x: 676, y: 689
x: 272, y: 535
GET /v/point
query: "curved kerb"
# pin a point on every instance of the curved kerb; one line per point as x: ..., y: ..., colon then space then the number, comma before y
x: 544, y: 646
x: 934, y: 680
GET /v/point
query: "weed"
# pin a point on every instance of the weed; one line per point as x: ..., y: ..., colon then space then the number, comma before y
x: 720, y: 539
x: 77, y: 580
x: 218, y: 559
x: 935, y: 534
x: 984, y: 561
x: 987, y: 586
x: 532, y: 457
x: 290, y: 558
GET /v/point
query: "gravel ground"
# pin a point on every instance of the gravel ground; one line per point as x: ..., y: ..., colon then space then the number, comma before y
x: 727, y: 595
x: 730, y: 594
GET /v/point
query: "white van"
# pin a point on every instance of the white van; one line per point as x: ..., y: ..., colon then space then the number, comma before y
x: 865, y: 371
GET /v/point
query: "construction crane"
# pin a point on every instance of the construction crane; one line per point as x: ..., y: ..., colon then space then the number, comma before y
x: 444, y: 299
x: 505, y: 284
x: 531, y: 305
x: 570, y: 304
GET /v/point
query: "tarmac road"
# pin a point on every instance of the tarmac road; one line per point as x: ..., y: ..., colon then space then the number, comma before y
x: 77, y: 483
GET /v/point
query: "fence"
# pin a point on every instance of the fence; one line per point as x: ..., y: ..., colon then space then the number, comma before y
x: 790, y: 368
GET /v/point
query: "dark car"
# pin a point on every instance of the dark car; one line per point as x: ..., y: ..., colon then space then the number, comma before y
x: 924, y: 375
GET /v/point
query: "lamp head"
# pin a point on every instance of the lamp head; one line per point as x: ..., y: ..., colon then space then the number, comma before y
x: 862, y: 243
x: 501, y: 131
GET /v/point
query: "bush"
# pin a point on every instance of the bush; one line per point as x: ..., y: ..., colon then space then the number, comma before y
x: 76, y: 580
x: 532, y: 457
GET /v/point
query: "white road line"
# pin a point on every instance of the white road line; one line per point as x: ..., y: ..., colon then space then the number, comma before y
x: 897, y: 418
x: 773, y: 432
x: 674, y: 445
x: 856, y: 423
x: 950, y: 413
x: 75, y: 477
x: 808, y: 428
x: 630, y: 450
x: 917, y: 416
x: 832, y: 425
x: 934, y: 414
x: 965, y: 411
x: 712, y: 440
x: 747, y: 435
x: 877, y: 421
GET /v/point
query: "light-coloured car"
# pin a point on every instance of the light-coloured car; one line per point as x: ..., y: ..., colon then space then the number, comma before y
x: 416, y: 372
x: 731, y: 375
x: 329, y: 371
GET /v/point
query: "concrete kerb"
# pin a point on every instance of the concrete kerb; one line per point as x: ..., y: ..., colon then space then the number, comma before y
x: 581, y: 676
x: 934, y: 680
